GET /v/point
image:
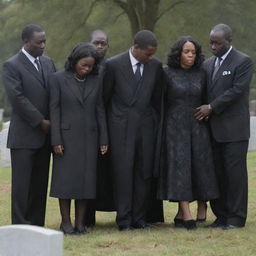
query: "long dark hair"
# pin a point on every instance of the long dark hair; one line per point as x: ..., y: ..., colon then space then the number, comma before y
x: 173, y: 60
x: 80, y: 51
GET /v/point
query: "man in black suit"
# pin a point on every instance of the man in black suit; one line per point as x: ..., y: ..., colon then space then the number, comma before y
x: 25, y: 77
x: 228, y: 77
x: 132, y: 91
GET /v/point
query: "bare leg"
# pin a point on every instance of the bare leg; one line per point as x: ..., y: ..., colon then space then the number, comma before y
x: 188, y: 221
x: 184, y: 205
x: 179, y: 214
x: 201, y: 210
x: 80, y: 209
x: 66, y: 225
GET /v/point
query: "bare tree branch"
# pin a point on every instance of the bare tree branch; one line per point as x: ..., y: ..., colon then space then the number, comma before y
x: 119, y: 15
x: 168, y: 9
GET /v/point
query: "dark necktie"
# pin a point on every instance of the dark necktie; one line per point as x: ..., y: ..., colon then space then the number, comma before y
x: 216, y: 67
x: 39, y: 68
x: 137, y: 72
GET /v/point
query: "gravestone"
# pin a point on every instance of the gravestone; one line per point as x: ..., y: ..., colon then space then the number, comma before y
x: 5, y: 158
x: 252, y: 141
x: 27, y: 240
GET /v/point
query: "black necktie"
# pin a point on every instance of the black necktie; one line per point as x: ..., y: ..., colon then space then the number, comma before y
x: 216, y: 67
x: 39, y: 68
x: 137, y: 72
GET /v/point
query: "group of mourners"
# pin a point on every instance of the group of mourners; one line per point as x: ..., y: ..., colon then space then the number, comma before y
x: 127, y: 133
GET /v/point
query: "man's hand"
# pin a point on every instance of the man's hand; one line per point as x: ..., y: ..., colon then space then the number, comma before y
x: 103, y: 149
x: 45, y: 125
x: 202, y: 112
x: 58, y: 150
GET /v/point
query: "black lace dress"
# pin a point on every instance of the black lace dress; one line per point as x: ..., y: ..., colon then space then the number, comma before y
x: 186, y: 167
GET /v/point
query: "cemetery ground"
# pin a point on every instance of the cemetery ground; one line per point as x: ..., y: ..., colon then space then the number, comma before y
x: 104, y: 239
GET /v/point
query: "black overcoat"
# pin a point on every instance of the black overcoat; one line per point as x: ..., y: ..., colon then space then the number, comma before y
x: 79, y: 124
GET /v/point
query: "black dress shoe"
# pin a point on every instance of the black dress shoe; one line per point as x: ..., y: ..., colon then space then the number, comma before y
x: 143, y: 225
x: 215, y: 225
x: 125, y: 228
x: 178, y: 223
x: 189, y: 224
x: 229, y: 226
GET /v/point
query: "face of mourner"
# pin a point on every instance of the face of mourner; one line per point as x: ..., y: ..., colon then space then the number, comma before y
x: 218, y: 44
x: 36, y: 45
x: 144, y: 55
x: 188, y: 55
x: 100, y: 42
x: 84, y: 66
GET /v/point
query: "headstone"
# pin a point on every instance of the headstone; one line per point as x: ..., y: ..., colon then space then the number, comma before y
x: 27, y: 240
x: 252, y: 104
x: 5, y: 158
x: 1, y: 114
x: 252, y: 141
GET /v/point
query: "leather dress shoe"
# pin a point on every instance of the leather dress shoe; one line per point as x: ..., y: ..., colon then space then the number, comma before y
x: 230, y: 226
x: 125, y: 228
x: 214, y: 225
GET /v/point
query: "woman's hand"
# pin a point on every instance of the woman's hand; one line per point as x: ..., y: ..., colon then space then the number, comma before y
x: 103, y: 149
x: 58, y: 150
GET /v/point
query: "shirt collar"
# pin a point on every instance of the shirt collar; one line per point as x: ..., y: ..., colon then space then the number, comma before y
x: 132, y: 59
x: 30, y: 57
x: 223, y: 57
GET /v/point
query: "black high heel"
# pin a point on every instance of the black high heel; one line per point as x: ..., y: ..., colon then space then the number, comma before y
x: 178, y: 223
x: 66, y: 231
x: 189, y: 224
x: 81, y: 231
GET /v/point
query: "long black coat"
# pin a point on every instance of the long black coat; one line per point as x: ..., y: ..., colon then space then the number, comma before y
x: 79, y: 124
x: 132, y: 112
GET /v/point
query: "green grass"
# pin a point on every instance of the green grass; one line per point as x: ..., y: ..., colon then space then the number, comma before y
x: 105, y: 240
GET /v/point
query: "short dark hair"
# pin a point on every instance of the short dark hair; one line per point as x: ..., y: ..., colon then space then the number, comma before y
x: 173, y: 60
x: 28, y: 31
x: 145, y: 38
x: 82, y: 50
x: 225, y: 29
x: 97, y: 32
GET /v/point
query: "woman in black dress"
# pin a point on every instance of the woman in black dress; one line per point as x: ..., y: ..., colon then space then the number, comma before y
x: 187, y: 171
x: 78, y: 130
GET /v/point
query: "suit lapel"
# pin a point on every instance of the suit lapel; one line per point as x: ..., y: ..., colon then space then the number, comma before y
x: 71, y: 84
x: 90, y: 85
x: 31, y: 68
x: 134, y: 85
x: 225, y: 64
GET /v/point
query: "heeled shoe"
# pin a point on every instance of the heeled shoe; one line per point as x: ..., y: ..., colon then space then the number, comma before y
x: 203, y: 219
x: 189, y: 224
x: 80, y: 231
x: 67, y: 231
x: 178, y: 223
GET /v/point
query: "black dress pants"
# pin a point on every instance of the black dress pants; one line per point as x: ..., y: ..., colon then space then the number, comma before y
x: 30, y: 171
x: 231, y: 169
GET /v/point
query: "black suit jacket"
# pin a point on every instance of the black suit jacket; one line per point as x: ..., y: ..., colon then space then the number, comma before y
x: 28, y: 95
x: 133, y: 109
x: 228, y: 96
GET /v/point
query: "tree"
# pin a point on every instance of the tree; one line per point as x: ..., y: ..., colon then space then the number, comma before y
x: 144, y: 14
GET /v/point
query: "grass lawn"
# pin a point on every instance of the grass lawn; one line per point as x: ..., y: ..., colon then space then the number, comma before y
x: 105, y: 240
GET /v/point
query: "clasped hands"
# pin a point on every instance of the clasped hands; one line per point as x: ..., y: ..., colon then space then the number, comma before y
x: 59, y: 149
x: 202, y: 112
